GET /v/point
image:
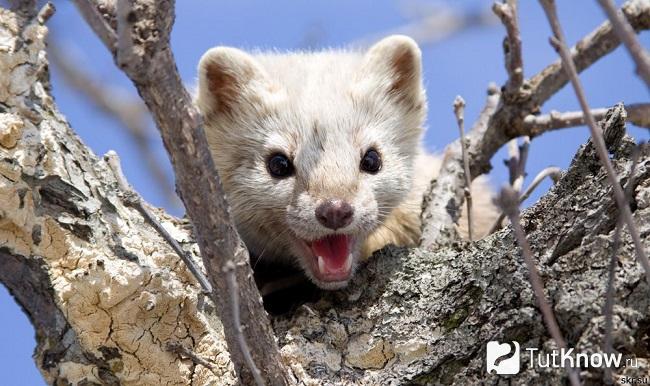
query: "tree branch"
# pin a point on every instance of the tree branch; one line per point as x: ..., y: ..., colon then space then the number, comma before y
x: 153, y: 71
x: 626, y: 34
x: 608, y: 308
x: 517, y: 162
x: 45, y: 13
x: 638, y: 114
x: 459, y: 111
x: 507, y: 12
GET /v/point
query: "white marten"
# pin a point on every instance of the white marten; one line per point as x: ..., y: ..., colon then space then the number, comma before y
x: 320, y: 153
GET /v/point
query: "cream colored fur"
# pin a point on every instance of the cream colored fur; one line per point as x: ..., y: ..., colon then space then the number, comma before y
x: 323, y: 110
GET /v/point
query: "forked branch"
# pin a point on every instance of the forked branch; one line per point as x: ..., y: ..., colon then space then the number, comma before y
x: 504, y: 119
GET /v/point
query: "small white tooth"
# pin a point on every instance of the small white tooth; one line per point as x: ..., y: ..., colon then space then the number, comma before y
x: 348, y: 264
x: 321, y: 264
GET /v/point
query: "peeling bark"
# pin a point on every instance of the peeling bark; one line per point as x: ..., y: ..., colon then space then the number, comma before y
x: 107, y: 296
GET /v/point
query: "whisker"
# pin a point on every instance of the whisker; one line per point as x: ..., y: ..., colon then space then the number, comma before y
x: 267, y: 245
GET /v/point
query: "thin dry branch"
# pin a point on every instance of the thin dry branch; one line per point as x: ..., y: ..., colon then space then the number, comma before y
x: 438, y: 222
x: 588, y: 50
x: 637, y: 114
x: 558, y: 42
x: 133, y: 199
x: 508, y: 201
x: 608, y: 308
x: 551, y: 171
x: 507, y: 12
x: 459, y: 111
x: 179, y: 349
x: 153, y: 71
x: 45, y: 13
x: 625, y: 32
x: 517, y: 162
x: 229, y: 268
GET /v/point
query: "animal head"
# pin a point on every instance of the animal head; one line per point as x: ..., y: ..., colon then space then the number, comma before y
x: 314, y: 149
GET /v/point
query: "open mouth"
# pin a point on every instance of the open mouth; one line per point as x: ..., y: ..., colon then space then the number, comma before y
x: 332, y: 258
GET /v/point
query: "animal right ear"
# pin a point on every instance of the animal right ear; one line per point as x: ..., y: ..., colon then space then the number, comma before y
x: 393, y: 67
x: 227, y: 77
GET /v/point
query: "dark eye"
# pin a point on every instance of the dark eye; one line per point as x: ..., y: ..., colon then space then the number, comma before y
x: 371, y: 161
x: 279, y: 166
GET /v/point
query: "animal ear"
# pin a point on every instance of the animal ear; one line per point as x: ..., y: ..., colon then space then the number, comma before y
x: 227, y: 77
x: 394, y: 66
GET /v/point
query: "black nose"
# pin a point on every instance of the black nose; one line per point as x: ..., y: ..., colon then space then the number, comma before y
x: 334, y: 214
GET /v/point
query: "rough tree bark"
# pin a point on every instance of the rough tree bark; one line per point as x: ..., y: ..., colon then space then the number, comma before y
x: 109, y: 298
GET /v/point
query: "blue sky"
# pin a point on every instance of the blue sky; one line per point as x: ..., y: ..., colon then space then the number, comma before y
x: 463, y: 65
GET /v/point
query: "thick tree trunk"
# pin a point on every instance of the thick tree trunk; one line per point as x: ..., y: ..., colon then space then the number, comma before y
x: 109, y: 298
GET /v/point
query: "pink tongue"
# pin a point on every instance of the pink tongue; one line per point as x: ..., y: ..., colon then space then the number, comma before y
x: 333, y: 249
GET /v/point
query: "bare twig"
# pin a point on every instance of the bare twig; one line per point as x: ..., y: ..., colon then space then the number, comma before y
x: 178, y: 349
x: 153, y: 71
x: 626, y: 33
x: 133, y: 199
x: 608, y: 308
x: 507, y: 12
x: 46, y: 12
x: 459, y: 111
x: 517, y: 162
x: 638, y: 114
x: 511, y: 162
x: 229, y: 269
x: 508, y: 201
x: 437, y: 222
x: 559, y: 44
x: 131, y: 113
x: 551, y: 171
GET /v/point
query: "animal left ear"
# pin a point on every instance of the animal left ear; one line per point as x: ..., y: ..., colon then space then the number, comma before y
x: 229, y: 79
x: 393, y: 66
